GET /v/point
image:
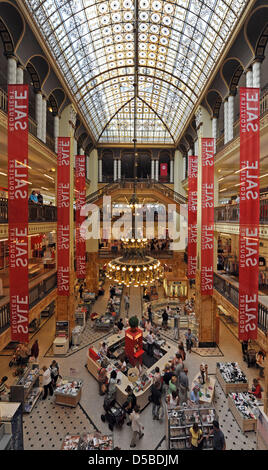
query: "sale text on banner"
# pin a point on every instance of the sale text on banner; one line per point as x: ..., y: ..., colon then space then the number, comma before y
x: 18, y: 211
x: 207, y: 214
x: 80, y: 186
x: 192, y: 215
x: 63, y: 215
x: 249, y: 212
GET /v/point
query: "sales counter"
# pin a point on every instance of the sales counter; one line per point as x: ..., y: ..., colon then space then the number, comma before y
x: 115, y: 342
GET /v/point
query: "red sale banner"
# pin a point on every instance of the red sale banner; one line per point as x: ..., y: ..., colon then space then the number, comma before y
x: 80, y: 186
x: 18, y: 211
x: 249, y: 212
x: 192, y: 215
x: 207, y: 214
x: 163, y: 169
x: 63, y: 215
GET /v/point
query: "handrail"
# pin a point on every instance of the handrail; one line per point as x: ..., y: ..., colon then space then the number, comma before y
x: 151, y: 183
x: 230, y: 212
x: 36, y: 294
x: 231, y: 293
x: 36, y: 212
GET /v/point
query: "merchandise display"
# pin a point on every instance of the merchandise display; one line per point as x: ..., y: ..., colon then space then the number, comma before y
x: 231, y: 377
x: 206, y: 386
x: 245, y: 408
x: 88, y: 441
x: 68, y: 392
x: 180, y: 420
x: 26, y: 389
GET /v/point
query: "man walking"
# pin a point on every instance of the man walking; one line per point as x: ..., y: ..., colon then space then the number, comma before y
x: 136, y: 425
x: 47, y: 382
x: 218, y: 437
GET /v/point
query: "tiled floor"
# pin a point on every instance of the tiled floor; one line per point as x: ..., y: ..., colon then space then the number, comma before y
x: 48, y: 423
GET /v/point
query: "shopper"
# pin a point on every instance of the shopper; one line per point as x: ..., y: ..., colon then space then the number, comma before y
x: 156, y: 399
x: 166, y: 378
x: 111, y: 390
x: 189, y: 340
x: 103, y: 349
x: 256, y: 389
x: 126, y: 299
x: 47, y: 382
x: 35, y: 350
x: 120, y: 324
x: 218, y: 437
x: 260, y: 356
x: 112, y: 291
x: 165, y: 320
x: 196, y: 437
x: 39, y: 198
x: 149, y: 312
x: 54, y: 370
x: 142, y: 323
x: 182, y: 351
x: 33, y: 198
x: 136, y: 426
x: 183, y: 386
x: 150, y: 344
x: 194, y: 395
x: 102, y: 379
x: 157, y: 378
x: 173, y: 400
x: 81, y: 290
x: 172, y: 386
x: 179, y: 367
x: 130, y: 402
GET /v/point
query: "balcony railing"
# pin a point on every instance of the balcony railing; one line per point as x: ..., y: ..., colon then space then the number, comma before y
x: 50, y: 140
x: 230, y: 213
x: 36, y: 213
x: 231, y: 293
x: 36, y: 294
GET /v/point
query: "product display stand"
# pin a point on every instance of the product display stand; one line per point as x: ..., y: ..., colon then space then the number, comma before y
x: 206, y: 392
x: 180, y: 420
x: 88, y: 441
x: 26, y: 389
x: 12, y: 417
x: 231, y: 378
x: 245, y: 409
x: 68, y: 392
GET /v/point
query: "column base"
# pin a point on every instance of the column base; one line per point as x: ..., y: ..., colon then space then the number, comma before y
x: 203, y: 344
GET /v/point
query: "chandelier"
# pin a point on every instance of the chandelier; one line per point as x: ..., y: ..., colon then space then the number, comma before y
x: 134, y: 268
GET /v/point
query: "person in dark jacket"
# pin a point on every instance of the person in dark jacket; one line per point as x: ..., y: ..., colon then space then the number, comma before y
x: 35, y: 349
x: 156, y: 399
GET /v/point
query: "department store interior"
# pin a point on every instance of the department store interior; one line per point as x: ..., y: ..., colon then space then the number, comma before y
x: 135, y: 355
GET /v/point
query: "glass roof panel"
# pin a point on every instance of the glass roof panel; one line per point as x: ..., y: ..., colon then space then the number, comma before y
x: 179, y: 42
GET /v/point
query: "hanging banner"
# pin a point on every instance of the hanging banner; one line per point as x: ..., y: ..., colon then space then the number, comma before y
x: 80, y: 186
x: 207, y: 214
x: 63, y: 215
x: 18, y: 211
x: 192, y: 215
x: 249, y: 212
x: 163, y: 169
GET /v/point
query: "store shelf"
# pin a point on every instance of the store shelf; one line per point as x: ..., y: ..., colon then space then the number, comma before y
x: 34, y: 402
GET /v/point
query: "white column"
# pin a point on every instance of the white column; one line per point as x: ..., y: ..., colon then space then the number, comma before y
x: 171, y: 171
x: 225, y: 110
x: 44, y: 119
x: 178, y: 173
x: 115, y: 169
x: 74, y: 149
x: 183, y: 167
x: 196, y: 147
x: 230, y: 117
x: 119, y: 169
x: 100, y: 170
x: 249, y: 78
x: 152, y: 169
x: 156, y: 170
x: 11, y: 71
x: 214, y: 130
x: 38, y: 113
x: 56, y: 131
x: 19, y: 75
x: 256, y: 71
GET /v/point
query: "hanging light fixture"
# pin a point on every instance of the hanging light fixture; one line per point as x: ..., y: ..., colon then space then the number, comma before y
x: 134, y: 268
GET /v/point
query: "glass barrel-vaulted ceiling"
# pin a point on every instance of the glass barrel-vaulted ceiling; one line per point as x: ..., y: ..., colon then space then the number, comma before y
x: 179, y: 42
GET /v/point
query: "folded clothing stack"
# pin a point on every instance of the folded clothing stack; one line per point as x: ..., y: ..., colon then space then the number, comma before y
x: 246, y: 404
x: 231, y: 372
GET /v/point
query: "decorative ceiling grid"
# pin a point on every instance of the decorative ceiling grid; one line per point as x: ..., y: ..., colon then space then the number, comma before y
x: 179, y: 42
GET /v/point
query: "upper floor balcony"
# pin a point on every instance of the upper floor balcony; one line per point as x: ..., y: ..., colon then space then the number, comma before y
x: 36, y: 212
x: 229, y: 213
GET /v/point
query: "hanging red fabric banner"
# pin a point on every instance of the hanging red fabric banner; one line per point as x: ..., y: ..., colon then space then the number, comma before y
x: 80, y: 186
x: 207, y: 214
x: 163, y: 169
x: 192, y: 215
x: 249, y: 212
x: 18, y: 211
x: 63, y: 215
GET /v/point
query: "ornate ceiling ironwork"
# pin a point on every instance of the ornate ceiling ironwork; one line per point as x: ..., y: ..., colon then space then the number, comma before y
x: 179, y: 42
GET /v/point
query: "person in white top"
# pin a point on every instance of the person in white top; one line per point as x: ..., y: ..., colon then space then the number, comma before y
x: 150, y: 342
x: 136, y: 425
x: 47, y: 382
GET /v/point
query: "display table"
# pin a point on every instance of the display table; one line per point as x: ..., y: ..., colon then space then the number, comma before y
x: 60, y: 345
x: 231, y: 378
x: 142, y: 388
x: 245, y: 409
x: 207, y: 390
x: 179, y: 422
x: 26, y: 389
x: 88, y: 441
x: 68, y: 392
